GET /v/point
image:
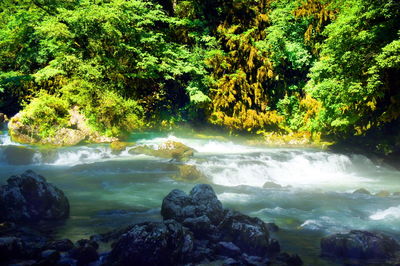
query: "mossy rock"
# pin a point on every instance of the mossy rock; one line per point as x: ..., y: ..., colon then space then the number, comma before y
x: 174, y: 150
x: 117, y: 146
x: 362, y: 191
x: 190, y: 173
x: 146, y: 150
x: 168, y: 150
x: 383, y: 193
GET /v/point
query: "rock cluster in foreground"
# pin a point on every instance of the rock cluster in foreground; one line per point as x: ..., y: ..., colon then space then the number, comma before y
x: 196, y: 229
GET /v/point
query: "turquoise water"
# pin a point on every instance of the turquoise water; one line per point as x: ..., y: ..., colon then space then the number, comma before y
x: 107, y: 191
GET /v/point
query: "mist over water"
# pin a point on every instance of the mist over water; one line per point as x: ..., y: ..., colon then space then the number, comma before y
x: 311, y: 196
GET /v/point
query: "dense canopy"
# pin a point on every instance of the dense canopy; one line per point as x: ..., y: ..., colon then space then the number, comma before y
x: 316, y: 67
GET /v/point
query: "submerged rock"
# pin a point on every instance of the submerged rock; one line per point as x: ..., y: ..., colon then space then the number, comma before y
x: 17, y: 155
x: 29, y: 198
x: 359, y: 245
x: 163, y: 243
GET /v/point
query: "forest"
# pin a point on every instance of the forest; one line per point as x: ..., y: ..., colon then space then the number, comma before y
x: 312, y: 68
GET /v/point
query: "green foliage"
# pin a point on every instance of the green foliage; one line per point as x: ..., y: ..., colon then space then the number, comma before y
x: 355, y: 77
x: 46, y: 114
x: 308, y: 66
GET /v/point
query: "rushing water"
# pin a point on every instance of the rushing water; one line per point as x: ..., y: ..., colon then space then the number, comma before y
x: 315, y: 198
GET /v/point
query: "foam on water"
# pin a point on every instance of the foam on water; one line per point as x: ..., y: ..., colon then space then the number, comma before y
x: 5, y: 140
x: 389, y: 214
x: 305, y: 169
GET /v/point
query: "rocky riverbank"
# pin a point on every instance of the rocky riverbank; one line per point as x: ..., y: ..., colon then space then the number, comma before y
x: 196, y: 229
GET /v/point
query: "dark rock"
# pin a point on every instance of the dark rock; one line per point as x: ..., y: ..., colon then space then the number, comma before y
x: 61, y: 245
x: 10, y: 247
x: 67, y: 261
x: 362, y: 191
x: 254, y: 260
x: 17, y: 155
x: 200, y: 226
x: 29, y: 198
x: 230, y: 261
x: 287, y: 259
x: 85, y: 252
x: 228, y: 249
x: 201, y: 201
x: 359, y: 245
x: 166, y: 243
x: 48, y: 257
x: 272, y: 227
x: 249, y: 234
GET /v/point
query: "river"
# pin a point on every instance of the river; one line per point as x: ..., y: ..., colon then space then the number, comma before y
x: 107, y: 191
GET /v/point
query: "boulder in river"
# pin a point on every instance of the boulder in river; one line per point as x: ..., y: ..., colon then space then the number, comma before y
x: 152, y: 243
x: 362, y: 191
x: 117, y: 146
x: 189, y: 173
x: 169, y: 150
x: 201, y: 201
x: 362, y: 245
x: 29, y: 198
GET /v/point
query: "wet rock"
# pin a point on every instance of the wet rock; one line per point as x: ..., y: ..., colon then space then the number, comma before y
x: 10, y: 247
x: 396, y: 194
x: 383, y: 193
x: 362, y: 191
x: 228, y: 249
x: 165, y: 243
x: 287, y: 259
x: 117, y: 147
x: 85, y: 252
x: 190, y: 173
x: 272, y: 227
x: 61, y: 245
x: 29, y: 198
x: 169, y: 150
x: 359, y: 245
x: 200, y: 226
x: 201, y: 201
x: 271, y: 185
x: 175, y: 150
x: 249, y: 234
x: 48, y: 257
x: 17, y: 155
